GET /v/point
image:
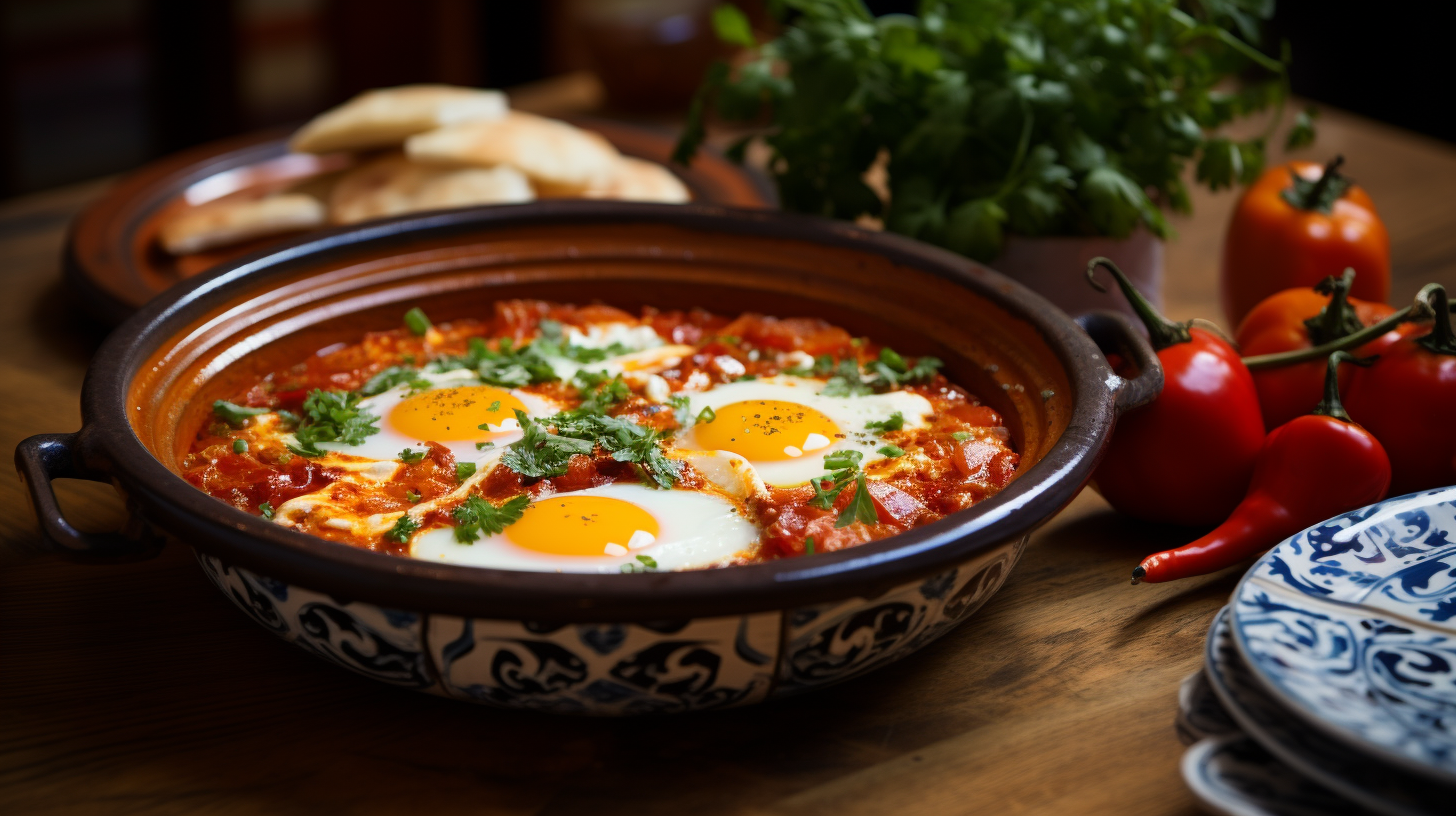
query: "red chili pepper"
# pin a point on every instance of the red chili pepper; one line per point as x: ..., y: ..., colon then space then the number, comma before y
x: 1186, y: 458
x: 1311, y: 468
x: 1408, y: 400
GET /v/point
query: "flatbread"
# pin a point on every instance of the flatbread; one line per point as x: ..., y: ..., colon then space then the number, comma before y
x: 641, y: 180
x: 393, y: 185
x: 387, y: 116
x: 546, y: 150
x: 225, y: 222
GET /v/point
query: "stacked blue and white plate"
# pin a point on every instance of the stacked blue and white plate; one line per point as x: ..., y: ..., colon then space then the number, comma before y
x: 1330, y: 681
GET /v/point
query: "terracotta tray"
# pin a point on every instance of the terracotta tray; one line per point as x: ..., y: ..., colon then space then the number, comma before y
x: 113, y: 263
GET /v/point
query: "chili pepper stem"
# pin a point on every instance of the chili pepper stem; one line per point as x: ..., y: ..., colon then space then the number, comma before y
x: 1441, y: 340
x: 1331, y: 406
x: 1162, y: 332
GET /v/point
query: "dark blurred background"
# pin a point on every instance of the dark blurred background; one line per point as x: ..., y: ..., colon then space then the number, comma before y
x: 89, y: 87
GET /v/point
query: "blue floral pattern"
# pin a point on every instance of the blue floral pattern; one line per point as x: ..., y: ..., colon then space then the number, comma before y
x: 1350, y: 624
x: 1375, y: 785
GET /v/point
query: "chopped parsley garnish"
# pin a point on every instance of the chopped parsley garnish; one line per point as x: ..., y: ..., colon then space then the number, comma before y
x: 707, y: 415
x: 892, y: 451
x: 387, y: 379
x: 809, y: 545
x: 885, y: 373
x: 266, y: 510
x: 508, y: 366
x: 411, y: 456
x: 961, y: 436
x: 645, y: 563
x: 416, y: 321
x: 484, y: 445
x: 403, y: 529
x: 494, y: 406
x: 845, y: 467
x: 894, y: 423
x: 464, y: 470
x: 240, y: 446
x: 234, y: 414
x: 476, y: 516
x: 600, y: 393
x: 681, y: 409
x: 412, y: 496
x: 540, y: 453
x: 332, y: 416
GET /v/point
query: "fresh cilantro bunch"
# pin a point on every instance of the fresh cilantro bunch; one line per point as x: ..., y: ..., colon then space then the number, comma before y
x: 332, y: 416
x: 887, y: 372
x: 1033, y: 117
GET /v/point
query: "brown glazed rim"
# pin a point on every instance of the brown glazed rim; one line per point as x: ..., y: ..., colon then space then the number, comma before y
x: 107, y: 444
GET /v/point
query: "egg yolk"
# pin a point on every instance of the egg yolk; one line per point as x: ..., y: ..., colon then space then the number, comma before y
x: 583, y: 525
x: 454, y: 414
x: 767, y: 430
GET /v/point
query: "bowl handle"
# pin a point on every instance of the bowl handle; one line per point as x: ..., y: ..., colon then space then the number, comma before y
x: 45, y: 457
x: 1113, y: 332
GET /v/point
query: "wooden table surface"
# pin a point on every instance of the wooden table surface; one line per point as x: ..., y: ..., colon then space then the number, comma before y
x: 139, y: 689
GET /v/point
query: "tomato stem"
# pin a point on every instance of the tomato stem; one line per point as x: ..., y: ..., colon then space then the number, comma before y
x: 1337, y: 319
x: 1331, y: 406
x: 1162, y: 332
x: 1320, y: 194
x: 1417, y: 311
x: 1441, y: 340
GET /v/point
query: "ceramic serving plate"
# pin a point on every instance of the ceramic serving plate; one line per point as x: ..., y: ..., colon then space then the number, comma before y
x: 1377, y: 787
x: 592, y: 643
x: 113, y: 263
x: 1351, y: 625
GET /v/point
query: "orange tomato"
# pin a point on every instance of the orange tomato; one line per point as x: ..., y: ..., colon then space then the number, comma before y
x: 1286, y: 234
x: 1277, y: 325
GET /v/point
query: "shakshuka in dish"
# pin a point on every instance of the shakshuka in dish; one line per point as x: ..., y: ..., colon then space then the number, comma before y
x: 566, y: 438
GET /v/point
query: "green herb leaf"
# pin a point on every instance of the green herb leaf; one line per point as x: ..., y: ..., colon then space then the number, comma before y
x: 540, y: 453
x: 416, y: 321
x: 484, y: 445
x: 332, y: 416
x: 962, y: 436
x: 234, y: 414
x: 809, y: 545
x: 387, y: 379
x: 894, y: 423
x: 706, y: 415
x: 412, y: 496
x: 731, y: 26
x: 464, y: 470
x: 1301, y: 134
x: 403, y: 529
x: 892, y: 451
x: 412, y: 457
x: 861, y: 506
x: 266, y: 510
x: 476, y: 516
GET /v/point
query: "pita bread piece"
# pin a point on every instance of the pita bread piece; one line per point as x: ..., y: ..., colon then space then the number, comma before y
x: 225, y: 222
x: 387, y: 116
x: 546, y: 150
x: 641, y: 180
x: 394, y: 185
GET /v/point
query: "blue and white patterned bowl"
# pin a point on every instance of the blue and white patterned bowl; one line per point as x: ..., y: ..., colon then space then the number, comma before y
x: 1351, y: 625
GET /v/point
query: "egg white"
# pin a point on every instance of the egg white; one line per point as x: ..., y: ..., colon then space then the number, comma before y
x: 851, y: 414
x: 695, y: 530
x: 389, y: 442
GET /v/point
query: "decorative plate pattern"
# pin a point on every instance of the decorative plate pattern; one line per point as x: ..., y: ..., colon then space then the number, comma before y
x: 1349, y: 625
x: 1371, y: 784
x: 1232, y: 775
x: 1200, y: 713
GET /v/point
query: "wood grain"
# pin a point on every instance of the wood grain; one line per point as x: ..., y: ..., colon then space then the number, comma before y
x: 138, y: 689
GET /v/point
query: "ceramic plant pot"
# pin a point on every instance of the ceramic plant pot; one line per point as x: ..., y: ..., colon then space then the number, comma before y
x: 1055, y: 268
x: 595, y: 644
